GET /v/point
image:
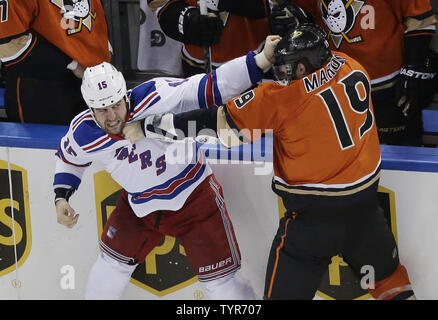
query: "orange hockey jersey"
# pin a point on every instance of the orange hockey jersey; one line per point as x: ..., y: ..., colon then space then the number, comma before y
x: 240, y: 35
x: 325, y: 137
x: 372, y: 31
x: 77, y: 28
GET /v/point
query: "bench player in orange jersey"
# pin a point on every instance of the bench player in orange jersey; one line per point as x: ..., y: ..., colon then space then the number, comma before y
x: 44, y: 47
x: 326, y: 165
x: 391, y: 40
x: 232, y: 28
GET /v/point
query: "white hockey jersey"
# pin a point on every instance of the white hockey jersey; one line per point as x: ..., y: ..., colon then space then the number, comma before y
x: 157, y: 175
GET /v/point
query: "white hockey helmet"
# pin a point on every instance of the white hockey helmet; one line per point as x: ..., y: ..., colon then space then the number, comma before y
x: 102, y: 85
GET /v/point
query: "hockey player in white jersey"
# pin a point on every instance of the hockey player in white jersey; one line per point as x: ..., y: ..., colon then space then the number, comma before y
x: 161, y: 196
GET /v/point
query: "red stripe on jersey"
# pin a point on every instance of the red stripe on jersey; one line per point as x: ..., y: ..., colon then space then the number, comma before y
x: 101, y: 141
x: 146, y: 102
x: 176, y: 183
x: 87, y: 116
x: 61, y: 156
x: 209, y: 90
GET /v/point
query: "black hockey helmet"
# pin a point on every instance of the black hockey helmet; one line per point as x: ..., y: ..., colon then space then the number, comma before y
x: 306, y: 44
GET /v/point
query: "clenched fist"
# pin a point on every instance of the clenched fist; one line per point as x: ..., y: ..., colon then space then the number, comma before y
x: 133, y: 131
x: 66, y: 214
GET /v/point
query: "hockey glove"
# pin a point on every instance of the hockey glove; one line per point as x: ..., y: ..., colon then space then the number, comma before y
x: 286, y: 16
x: 201, y: 30
x: 160, y: 127
x: 415, y: 86
x: 414, y: 89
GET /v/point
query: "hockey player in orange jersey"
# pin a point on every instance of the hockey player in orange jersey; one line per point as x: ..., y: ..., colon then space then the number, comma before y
x: 44, y: 47
x: 391, y: 40
x: 326, y: 164
x: 231, y: 30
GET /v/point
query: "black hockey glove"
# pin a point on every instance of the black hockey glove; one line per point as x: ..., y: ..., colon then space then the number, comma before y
x: 286, y: 16
x: 416, y: 85
x: 202, y: 30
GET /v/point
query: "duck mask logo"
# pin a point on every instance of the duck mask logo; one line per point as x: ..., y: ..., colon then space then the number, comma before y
x: 340, y: 17
x: 75, y: 15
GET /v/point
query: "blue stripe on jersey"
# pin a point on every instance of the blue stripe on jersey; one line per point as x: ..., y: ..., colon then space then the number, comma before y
x: 138, y: 93
x: 175, y: 192
x: 67, y: 179
x: 87, y: 132
x: 158, y: 98
x: 79, y: 116
x: 201, y: 92
x: 109, y: 143
x: 168, y: 182
x: 255, y: 74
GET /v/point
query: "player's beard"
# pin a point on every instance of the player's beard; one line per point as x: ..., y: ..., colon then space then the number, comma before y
x: 115, y: 127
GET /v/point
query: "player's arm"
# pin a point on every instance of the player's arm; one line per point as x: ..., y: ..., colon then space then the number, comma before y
x: 204, y: 123
x: 23, y: 51
x: 204, y: 90
x: 31, y: 56
x: 243, y: 120
x: 420, y: 27
x: 71, y: 163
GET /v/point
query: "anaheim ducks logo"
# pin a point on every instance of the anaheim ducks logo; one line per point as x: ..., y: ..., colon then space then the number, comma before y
x: 76, y: 14
x: 340, y: 17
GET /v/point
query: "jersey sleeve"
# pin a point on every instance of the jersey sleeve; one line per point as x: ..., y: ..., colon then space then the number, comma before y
x: 72, y: 158
x: 16, y: 16
x: 161, y: 95
x: 252, y: 114
x: 420, y: 24
x: 417, y: 15
x: 15, y: 19
x: 21, y: 48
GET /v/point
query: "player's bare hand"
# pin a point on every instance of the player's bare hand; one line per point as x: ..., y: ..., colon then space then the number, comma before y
x: 270, y: 45
x: 66, y: 214
x: 133, y: 132
x: 266, y: 58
